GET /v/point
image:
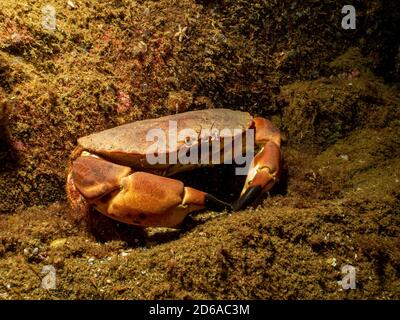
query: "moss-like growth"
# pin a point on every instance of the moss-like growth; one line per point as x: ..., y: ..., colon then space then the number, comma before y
x: 110, y: 62
x: 322, y: 111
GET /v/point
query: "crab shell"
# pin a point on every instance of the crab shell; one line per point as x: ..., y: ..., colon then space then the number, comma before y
x: 127, y: 144
x: 109, y: 169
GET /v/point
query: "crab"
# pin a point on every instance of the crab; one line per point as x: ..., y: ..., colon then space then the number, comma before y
x: 110, y: 170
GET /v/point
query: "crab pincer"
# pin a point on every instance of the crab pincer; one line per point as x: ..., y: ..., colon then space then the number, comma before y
x: 265, y: 168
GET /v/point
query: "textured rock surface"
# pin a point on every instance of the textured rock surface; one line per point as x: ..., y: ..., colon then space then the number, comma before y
x: 112, y: 62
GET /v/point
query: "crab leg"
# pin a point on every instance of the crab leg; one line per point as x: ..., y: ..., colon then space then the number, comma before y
x: 265, y: 168
x: 138, y: 197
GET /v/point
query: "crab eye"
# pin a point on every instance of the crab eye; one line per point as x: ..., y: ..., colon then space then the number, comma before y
x: 188, y: 141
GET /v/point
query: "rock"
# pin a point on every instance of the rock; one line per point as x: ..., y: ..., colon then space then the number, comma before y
x: 71, y: 5
x: 3, y: 115
x: 58, y: 243
x: 332, y: 261
x: 179, y: 101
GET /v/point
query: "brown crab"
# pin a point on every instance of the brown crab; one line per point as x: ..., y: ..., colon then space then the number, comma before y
x: 111, y: 172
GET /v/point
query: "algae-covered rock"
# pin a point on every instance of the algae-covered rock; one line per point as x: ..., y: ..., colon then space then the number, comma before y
x: 104, y: 63
x: 3, y: 128
x: 70, y: 72
x: 381, y: 40
x: 3, y: 110
x: 320, y: 112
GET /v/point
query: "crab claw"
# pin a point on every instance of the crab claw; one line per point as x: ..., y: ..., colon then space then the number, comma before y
x: 265, y: 168
x: 204, y: 200
x: 249, y: 197
x: 138, y: 198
